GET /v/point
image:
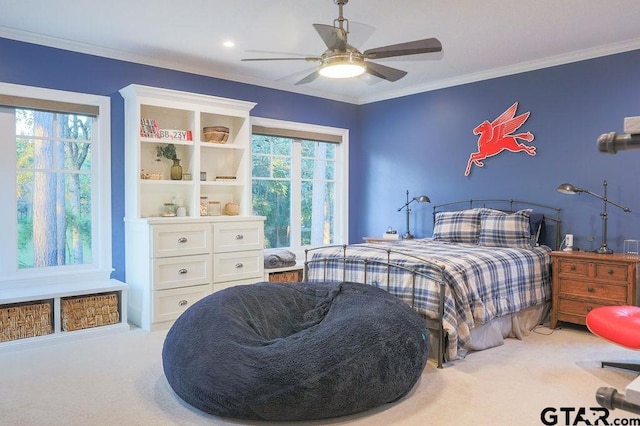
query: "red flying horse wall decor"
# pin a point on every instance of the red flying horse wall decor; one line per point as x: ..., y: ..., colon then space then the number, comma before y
x: 497, y: 136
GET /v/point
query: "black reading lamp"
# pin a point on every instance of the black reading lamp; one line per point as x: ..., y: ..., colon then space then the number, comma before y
x: 420, y: 199
x: 567, y: 188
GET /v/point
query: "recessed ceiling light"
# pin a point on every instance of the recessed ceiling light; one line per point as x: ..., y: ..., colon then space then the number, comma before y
x: 228, y: 43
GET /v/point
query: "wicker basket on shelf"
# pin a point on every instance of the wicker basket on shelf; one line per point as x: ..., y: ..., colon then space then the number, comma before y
x: 22, y: 320
x: 89, y: 311
x: 217, y: 134
x: 286, y: 276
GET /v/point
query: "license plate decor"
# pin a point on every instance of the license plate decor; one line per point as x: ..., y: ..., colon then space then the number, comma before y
x: 149, y: 129
x: 497, y: 136
x: 174, y: 135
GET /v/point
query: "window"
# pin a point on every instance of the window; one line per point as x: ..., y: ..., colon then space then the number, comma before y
x: 54, y: 160
x: 300, y: 184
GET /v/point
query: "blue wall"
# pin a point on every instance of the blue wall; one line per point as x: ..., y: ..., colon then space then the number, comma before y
x: 420, y: 142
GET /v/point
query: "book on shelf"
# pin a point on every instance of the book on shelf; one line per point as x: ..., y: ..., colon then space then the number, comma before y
x: 149, y: 128
x: 225, y: 178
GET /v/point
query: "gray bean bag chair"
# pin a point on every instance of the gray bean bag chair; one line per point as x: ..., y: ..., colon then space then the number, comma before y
x: 295, y: 351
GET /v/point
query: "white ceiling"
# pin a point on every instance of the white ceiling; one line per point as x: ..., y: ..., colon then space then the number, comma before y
x: 481, y: 38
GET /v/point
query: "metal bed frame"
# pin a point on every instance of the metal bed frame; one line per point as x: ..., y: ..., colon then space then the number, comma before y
x: 434, y: 325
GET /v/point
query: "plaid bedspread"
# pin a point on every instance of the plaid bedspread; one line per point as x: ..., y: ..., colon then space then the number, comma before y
x: 480, y: 283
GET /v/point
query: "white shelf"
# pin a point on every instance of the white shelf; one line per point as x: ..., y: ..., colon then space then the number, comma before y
x: 185, y: 111
x: 152, y: 303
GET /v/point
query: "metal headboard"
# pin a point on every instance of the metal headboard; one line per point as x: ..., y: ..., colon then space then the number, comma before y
x: 550, y: 213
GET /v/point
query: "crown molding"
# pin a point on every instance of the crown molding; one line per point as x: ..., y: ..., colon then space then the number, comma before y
x: 522, y: 67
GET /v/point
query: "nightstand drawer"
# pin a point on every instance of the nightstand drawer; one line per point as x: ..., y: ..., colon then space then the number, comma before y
x: 594, y: 290
x: 570, y: 267
x: 613, y: 272
x: 578, y: 308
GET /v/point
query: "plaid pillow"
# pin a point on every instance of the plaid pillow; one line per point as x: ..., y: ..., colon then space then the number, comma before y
x: 500, y: 229
x: 457, y: 227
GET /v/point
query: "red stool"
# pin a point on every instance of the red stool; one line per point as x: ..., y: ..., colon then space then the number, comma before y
x: 620, y: 325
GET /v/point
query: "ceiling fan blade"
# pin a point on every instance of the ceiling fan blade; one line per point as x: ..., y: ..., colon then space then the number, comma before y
x: 295, y: 76
x: 309, y: 78
x: 334, y: 38
x: 359, y: 33
x: 416, y: 47
x: 280, y: 54
x: 434, y: 56
x: 308, y: 59
x: 370, y: 79
x: 385, y: 72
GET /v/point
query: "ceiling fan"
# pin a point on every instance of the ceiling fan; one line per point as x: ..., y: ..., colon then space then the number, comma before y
x: 341, y: 60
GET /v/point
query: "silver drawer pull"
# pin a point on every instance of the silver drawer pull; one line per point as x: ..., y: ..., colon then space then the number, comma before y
x: 182, y: 271
x: 239, y: 265
x: 182, y: 239
x: 182, y: 302
x: 239, y: 237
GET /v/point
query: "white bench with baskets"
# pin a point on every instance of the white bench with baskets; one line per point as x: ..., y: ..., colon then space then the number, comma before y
x: 38, y: 314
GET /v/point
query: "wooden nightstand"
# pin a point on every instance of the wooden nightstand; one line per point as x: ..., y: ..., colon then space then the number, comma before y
x: 583, y: 281
x: 373, y: 240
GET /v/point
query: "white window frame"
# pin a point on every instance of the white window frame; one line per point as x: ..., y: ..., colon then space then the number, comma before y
x: 100, y: 268
x: 341, y: 179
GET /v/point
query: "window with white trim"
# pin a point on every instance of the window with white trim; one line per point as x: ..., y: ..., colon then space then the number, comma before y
x: 55, y: 186
x: 299, y: 183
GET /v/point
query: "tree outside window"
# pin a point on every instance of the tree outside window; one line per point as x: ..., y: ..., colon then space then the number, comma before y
x: 53, y: 191
x: 294, y: 186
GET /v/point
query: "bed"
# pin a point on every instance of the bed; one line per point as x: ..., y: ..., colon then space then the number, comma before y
x: 484, y: 275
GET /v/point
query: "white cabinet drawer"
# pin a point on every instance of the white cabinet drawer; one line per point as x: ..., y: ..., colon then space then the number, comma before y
x: 169, y: 304
x: 238, y: 266
x: 181, y: 239
x: 238, y: 236
x: 182, y: 271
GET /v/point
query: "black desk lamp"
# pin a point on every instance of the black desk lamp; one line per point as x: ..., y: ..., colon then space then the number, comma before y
x: 420, y: 199
x: 567, y: 188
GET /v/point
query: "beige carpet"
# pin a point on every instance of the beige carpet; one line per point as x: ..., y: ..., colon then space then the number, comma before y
x: 118, y: 380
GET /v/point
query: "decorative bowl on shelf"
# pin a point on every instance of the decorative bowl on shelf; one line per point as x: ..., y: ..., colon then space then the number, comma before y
x: 217, y: 134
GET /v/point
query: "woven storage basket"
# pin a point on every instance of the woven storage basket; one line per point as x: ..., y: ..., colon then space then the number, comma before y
x: 286, y: 276
x: 22, y: 320
x: 93, y: 310
x: 217, y: 134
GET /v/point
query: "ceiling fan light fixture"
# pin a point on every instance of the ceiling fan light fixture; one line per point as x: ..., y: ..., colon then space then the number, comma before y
x: 342, y: 66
